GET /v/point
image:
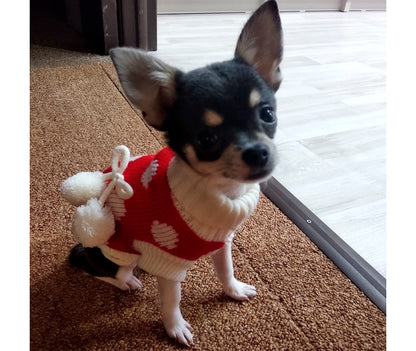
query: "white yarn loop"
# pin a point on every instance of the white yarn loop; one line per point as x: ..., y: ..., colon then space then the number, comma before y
x: 119, y: 161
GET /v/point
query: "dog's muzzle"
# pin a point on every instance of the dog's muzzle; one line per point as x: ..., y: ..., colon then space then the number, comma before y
x: 260, y: 159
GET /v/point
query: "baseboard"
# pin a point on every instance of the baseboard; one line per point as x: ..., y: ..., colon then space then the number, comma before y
x: 359, y: 271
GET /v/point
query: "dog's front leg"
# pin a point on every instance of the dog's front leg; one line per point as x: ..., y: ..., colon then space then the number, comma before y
x: 175, y: 325
x: 223, y: 263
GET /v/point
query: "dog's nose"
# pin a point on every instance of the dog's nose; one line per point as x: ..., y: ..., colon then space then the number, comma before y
x: 256, y: 156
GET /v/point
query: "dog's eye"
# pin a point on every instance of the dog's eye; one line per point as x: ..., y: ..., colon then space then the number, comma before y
x: 207, y: 139
x: 267, y: 114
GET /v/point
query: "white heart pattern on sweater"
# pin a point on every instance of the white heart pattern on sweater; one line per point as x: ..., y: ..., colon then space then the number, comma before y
x: 149, y: 173
x: 164, y: 235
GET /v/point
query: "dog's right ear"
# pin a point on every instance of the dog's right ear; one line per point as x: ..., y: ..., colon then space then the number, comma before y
x: 148, y: 82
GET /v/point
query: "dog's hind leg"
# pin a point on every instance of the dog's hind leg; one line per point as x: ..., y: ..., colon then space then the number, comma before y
x: 92, y: 261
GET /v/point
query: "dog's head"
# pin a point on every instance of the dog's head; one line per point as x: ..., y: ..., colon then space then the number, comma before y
x: 221, y: 119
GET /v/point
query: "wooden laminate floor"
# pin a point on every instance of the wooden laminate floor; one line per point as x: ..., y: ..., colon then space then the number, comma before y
x: 331, y: 109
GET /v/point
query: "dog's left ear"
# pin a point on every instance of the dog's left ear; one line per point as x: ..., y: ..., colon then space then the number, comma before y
x: 261, y: 43
x: 148, y: 82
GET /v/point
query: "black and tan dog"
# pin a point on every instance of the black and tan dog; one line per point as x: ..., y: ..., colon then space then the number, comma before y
x: 187, y: 201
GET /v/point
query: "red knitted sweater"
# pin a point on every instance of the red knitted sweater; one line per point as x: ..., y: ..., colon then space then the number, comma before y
x: 150, y: 215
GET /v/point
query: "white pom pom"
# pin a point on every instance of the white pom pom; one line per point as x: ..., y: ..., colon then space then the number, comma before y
x: 93, y: 224
x: 81, y: 187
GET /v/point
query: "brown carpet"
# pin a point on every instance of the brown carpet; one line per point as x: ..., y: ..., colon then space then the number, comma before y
x: 304, y: 302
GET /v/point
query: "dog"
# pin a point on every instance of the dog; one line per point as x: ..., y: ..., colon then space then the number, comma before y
x: 188, y: 199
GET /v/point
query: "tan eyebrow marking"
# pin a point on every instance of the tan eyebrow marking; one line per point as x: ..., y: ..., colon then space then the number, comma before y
x: 212, y: 118
x: 254, y: 98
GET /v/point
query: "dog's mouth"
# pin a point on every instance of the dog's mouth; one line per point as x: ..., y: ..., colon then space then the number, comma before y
x: 242, y: 172
x: 259, y: 175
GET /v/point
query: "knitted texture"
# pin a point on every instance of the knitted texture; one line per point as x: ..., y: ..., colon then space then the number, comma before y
x: 149, y: 224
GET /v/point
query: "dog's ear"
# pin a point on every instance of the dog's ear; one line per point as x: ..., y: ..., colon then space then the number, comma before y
x: 148, y: 82
x: 261, y: 43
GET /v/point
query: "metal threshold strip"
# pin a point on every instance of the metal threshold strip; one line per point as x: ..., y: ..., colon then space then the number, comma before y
x: 359, y: 271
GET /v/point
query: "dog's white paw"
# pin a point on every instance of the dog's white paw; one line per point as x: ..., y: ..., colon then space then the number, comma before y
x: 239, y: 290
x: 132, y: 283
x: 125, y: 279
x: 179, y: 329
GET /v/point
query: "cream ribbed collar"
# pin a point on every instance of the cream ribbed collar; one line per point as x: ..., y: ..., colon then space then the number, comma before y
x: 221, y: 204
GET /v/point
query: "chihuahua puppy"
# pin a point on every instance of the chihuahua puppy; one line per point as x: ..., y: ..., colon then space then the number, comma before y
x: 219, y: 123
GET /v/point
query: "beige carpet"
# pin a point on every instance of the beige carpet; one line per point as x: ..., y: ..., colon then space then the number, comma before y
x: 304, y: 302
